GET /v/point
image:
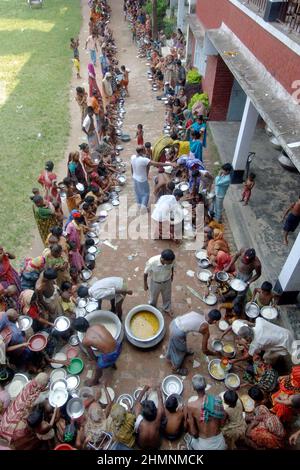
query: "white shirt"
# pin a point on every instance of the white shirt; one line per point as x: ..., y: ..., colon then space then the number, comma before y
x: 106, y: 288
x: 157, y: 271
x: 139, y: 168
x: 167, y: 207
x: 87, y: 123
x: 268, y: 337
x: 191, y: 321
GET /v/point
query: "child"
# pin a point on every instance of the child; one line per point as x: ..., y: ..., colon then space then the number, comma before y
x: 76, y: 64
x: 148, y: 149
x: 235, y: 426
x: 248, y: 186
x: 125, y: 79
x: 264, y: 296
x: 140, y: 134
x: 66, y: 299
x: 74, y: 45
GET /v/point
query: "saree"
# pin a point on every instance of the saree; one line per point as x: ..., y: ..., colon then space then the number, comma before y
x: 8, y: 275
x: 45, y: 219
x: 287, y: 386
x: 269, y: 432
x: 47, y: 180
x: 13, y: 425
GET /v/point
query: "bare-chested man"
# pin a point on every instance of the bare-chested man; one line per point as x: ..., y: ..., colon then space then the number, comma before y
x: 47, y: 293
x: 292, y: 221
x: 203, y: 419
x: 173, y: 423
x: 97, y: 336
x: 148, y: 420
x: 248, y: 269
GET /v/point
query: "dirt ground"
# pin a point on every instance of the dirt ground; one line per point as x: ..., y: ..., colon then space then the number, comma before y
x: 136, y: 367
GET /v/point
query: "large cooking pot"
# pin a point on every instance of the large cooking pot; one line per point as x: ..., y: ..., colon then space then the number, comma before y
x: 149, y: 342
x: 108, y: 319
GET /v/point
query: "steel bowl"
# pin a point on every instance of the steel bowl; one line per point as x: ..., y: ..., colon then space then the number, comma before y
x: 211, y: 299
x: 24, y: 322
x: 74, y: 340
x: 86, y: 274
x: 172, y: 384
x: 228, y: 350
x: 89, y: 257
x: 62, y: 324
x: 222, y: 276
x: 184, y: 187
x: 205, y: 275
x: 80, y: 187
x: 204, y: 263
x: 126, y: 401
x: 73, y: 382
x: 217, y: 345
x: 216, y: 371
x: 201, y: 254
x: 75, y: 408
x: 252, y: 310
x: 232, y: 381
x: 269, y: 313
x: 91, y: 235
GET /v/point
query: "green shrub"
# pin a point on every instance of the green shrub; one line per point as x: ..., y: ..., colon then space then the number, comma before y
x: 169, y: 25
x: 203, y: 97
x: 162, y: 6
x: 193, y: 76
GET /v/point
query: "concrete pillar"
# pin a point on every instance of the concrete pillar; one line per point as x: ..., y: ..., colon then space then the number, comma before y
x: 243, y: 142
x: 288, y: 283
x: 173, y: 4
x: 180, y: 14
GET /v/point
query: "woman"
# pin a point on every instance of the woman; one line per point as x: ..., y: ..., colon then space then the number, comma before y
x: 8, y: 275
x: 75, y: 235
x: 265, y: 431
x: 45, y: 217
x: 30, y: 271
x: 218, y: 237
x: 93, y: 86
x: 288, y: 385
x: 13, y: 426
x: 122, y: 427
x: 220, y: 259
x: 81, y: 98
x: 107, y: 87
x: 48, y: 180
x: 75, y: 169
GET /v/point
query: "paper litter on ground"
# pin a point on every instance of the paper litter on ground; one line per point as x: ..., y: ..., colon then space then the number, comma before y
x: 189, y: 301
x: 89, y: 374
x: 190, y: 273
x: 196, y: 364
x: 107, y: 243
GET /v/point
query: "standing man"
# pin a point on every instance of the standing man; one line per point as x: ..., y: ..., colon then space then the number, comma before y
x: 91, y: 44
x: 89, y: 128
x: 180, y: 77
x: 109, y: 288
x: 160, y: 271
x: 222, y: 183
x: 204, y: 418
x: 179, y: 329
x: 140, y: 166
x: 292, y: 221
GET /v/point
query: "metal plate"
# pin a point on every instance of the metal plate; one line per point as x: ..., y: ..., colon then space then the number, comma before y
x: 59, y: 383
x: 172, y: 384
x: 223, y: 325
x: 252, y: 310
x: 236, y: 325
x: 80, y: 187
x: 58, y: 397
x: 211, y: 299
x: 82, y: 303
x: 24, y: 322
x: 204, y: 275
x: 103, y: 399
x: 91, y: 235
x: 79, y: 312
x: 73, y: 382
x: 232, y: 381
x: 204, y: 263
x: 62, y: 323
x: 74, y: 340
x: 115, y: 202
x: 92, y: 250
x: 17, y: 384
x: 58, y: 374
x: 75, y: 408
x: 201, y: 254
x: 126, y: 401
x: 86, y: 274
x: 269, y: 313
x: 238, y: 285
x: 91, y: 306
x: 58, y: 357
x: 183, y: 187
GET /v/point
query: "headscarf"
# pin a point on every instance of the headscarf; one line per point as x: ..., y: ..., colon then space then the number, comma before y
x: 34, y: 264
x: 107, y: 84
x: 91, y: 70
x: 25, y: 300
x: 74, y: 214
x: 122, y: 425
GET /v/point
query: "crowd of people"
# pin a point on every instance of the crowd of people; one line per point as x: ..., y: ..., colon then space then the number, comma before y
x: 51, y: 285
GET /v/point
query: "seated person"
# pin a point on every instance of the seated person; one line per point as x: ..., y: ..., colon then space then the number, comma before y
x: 173, y: 422
x: 235, y: 425
x: 148, y: 421
x: 264, y: 296
x: 67, y: 302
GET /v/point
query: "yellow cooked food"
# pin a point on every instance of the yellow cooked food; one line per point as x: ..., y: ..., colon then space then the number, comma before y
x: 217, y: 371
x: 232, y: 381
x: 228, y: 348
x: 144, y: 325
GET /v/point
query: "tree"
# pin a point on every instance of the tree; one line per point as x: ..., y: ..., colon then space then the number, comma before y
x: 154, y: 19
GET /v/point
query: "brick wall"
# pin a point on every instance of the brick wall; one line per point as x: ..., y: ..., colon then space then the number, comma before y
x: 217, y: 83
x: 278, y: 59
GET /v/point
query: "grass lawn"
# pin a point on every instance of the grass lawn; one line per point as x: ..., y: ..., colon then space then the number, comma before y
x: 35, y: 73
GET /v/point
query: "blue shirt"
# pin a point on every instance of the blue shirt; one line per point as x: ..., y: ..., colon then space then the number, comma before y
x: 17, y: 337
x: 196, y: 148
x: 222, y: 184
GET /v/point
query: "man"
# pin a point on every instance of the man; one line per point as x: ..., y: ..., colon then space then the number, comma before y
x: 248, y: 269
x: 91, y: 44
x: 292, y: 221
x: 47, y: 293
x: 160, y: 271
x: 89, y: 128
x: 274, y: 340
x: 140, y: 166
x: 180, y: 77
x: 98, y: 337
x: 148, y: 421
x: 179, y: 329
x: 109, y: 288
x: 168, y: 217
x: 222, y: 183
x: 204, y: 418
